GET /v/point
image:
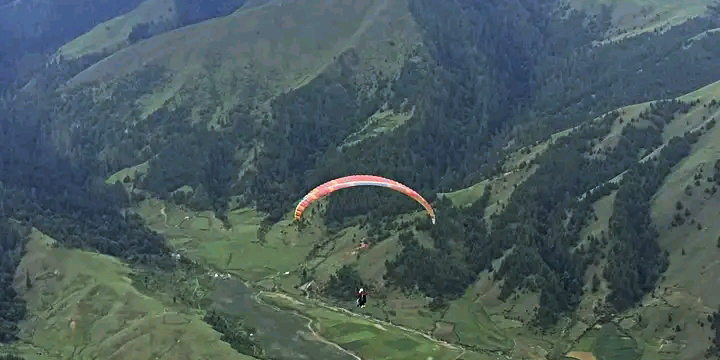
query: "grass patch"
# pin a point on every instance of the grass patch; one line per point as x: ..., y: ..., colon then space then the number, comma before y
x: 445, y: 331
x: 580, y: 355
x: 379, y: 123
x: 608, y: 342
x: 237, y: 249
x: 132, y: 173
x: 411, y: 311
x: 112, y: 35
x: 474, y: 327
x: 83, y: 305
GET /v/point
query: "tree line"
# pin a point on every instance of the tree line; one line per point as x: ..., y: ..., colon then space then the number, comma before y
x: 12, y: 306
x: 714, y: 349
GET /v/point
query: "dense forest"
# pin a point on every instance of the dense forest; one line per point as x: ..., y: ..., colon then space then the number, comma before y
x: 12, y: 307
x: 345, y: 283
x: 459, y: 253
x: 635, y: 260
x: 451, y: 99
x: 546, y: 213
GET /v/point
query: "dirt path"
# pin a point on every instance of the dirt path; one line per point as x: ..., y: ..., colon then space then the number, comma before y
x: 309, y: 324
x: 376, y: 322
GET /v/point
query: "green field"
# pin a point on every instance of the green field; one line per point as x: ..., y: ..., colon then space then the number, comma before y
x: 474, y: 327
x: 235, y: 250
x: 608, y: 343
x: 368, y: 338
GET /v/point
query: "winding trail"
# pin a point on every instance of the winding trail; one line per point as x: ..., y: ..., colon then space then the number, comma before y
x: 373, y: 320
x: 310, y: 320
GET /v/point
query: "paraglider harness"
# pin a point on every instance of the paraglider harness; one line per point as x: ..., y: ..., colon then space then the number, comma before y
x: 361, y: 298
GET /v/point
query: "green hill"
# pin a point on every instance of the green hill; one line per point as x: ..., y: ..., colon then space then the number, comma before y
x: 568, y: 149
x: 111, y: 35
x: 83, y: 305
x: 631, y: 18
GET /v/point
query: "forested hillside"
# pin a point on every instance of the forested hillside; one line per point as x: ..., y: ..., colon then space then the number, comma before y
x: 471, y: 96
x: 463, y: 121
x: 41, y: 188
x: 46, y: 188
x: 565, y: 80
x: 40, y: 27
x: 464, y: 86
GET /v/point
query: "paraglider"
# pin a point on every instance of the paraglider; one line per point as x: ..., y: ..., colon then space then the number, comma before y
x: 361, y: 298
x: 360, y: 180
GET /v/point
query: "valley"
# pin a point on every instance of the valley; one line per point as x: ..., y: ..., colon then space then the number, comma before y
x: 574, y: 175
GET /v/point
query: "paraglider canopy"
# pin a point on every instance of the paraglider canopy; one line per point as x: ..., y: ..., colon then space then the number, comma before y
x: 360, y: 180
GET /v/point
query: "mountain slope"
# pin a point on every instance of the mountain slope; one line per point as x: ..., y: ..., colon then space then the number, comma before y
x: 692, y: 246
x: 84, y: 305
x: 677, y: 294
x: 113, y: 34
x: 279, y: 44
x: 33, y: 29
x: 295, y: 140
x: 225, y: 73
x: 631, y: 18
x: 679, y: 291
x: 554, y: 159
x: 512, y: 316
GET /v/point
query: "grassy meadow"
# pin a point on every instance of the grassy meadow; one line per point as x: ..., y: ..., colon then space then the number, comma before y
x: 82, y: 305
